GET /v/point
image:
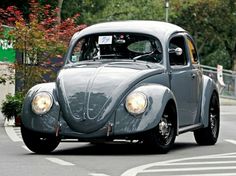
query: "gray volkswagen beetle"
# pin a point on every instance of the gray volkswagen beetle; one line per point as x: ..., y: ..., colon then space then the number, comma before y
x: 132, y: 80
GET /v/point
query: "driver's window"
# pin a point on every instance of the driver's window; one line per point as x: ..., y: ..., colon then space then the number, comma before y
x: 177, y: 59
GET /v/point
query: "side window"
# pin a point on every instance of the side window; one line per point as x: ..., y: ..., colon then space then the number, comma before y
x: 192, y: 51
x: 76, y: 54
x: 177, y: 59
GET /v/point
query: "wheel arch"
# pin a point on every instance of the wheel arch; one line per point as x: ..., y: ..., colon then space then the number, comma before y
x: 209, y: 88
x: 46, y: 123
x: 159, y: 97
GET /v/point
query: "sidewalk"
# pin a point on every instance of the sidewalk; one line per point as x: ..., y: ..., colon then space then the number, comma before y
x: 227, y: 102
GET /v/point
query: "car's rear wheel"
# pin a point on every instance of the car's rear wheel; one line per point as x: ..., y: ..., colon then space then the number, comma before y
x: 37, y: 142
x: 209, y: 135
x: 163, y: 136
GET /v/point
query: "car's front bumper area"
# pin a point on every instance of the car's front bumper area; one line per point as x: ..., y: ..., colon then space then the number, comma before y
x: 118, y: 125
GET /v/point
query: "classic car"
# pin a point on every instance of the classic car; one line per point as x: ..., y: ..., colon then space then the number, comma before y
x: 127, y: 80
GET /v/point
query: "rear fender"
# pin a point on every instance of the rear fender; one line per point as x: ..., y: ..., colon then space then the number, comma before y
x: 158, y: 96
x: 209, y: 87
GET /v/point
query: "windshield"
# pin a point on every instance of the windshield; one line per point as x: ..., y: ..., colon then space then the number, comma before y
x: 117, y: 46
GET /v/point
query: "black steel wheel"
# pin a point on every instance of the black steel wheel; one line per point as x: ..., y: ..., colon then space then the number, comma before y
x: 209, y: 135
x: 163, y: 136
x: 37, y: 142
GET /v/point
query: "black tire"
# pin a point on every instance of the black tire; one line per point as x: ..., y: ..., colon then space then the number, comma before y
x: 38, y: 142
x: 209, y: 135
x: 162, y: 138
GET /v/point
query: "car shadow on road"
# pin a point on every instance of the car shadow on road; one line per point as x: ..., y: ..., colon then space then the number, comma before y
x: 116, y: 149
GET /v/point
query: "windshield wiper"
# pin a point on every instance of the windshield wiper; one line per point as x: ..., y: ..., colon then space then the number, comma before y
x: 143, y: 55
x: 106, y: 55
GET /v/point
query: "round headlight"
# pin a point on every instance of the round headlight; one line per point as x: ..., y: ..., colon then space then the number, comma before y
x: 42, y: 103
x: 136, y: 103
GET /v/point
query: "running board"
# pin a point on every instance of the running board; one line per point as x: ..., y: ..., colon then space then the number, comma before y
x: 190, y: 128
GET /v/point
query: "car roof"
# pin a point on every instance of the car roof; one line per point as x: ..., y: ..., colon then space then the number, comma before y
x: 156, y: 28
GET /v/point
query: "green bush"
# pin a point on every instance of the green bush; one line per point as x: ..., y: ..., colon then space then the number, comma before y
x: 12, y: 106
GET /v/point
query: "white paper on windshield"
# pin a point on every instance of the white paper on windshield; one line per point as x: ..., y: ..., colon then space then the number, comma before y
x: 105, y: 40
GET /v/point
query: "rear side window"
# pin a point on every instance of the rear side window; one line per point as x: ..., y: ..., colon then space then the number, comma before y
x: 192, y: 51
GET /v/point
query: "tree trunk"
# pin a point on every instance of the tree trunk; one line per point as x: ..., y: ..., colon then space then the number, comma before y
x: 60, y: 2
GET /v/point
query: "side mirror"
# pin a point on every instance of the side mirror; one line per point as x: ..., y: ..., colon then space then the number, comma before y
x: 178, y: 51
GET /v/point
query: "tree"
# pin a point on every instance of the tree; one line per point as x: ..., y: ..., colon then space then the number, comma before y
x: 60, y: 2
x: 87, y: 8
x: 94, y: 11
x: 39, y: 38
x: 215, y: 36
x: 131, y: 10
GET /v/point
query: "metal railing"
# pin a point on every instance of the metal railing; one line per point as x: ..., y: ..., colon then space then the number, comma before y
x: 229, y: 78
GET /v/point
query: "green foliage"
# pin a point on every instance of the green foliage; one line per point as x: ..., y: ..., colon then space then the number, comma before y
x: 89, y: 9
x: 212, y: 33
x: 12, y: 106
x: 94, y: 11
x: 131, y: 10
x: 219, y: 56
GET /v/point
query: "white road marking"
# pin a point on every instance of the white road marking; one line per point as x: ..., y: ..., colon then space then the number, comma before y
x: 231, y: 141
x: 98, y: 174
x: 12, y: 134
x: 199, y: 163
x: 142, y: 169
x: 60, y: 161
x: 221, y: 174
x: 223, y: 157
x: 189, y: 169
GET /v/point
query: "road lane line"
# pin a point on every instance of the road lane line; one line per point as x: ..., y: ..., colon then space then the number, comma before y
x: 139, y: 169
x: 221, y: 174
x: 231, y: 141
x: 12, y: 135
x: 98, y: 174
x: 60, y: 161
x: 198, y: 163
x: 189, y: 169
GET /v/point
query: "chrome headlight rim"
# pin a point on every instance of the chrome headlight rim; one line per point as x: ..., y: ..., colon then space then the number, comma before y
x: 134, y: 95
x: 48, y: 108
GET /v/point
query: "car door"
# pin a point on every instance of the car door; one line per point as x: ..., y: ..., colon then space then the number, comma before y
x: 184, y: 81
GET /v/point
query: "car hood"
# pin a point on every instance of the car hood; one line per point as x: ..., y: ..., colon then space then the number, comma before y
x: 89, y: 91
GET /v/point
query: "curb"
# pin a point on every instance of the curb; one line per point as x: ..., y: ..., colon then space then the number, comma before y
x: 227, y: 102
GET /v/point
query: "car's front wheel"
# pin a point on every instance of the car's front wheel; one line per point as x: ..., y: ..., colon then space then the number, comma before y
x: 163, y: 136
x: 37, y: 142
x: 209, y: 135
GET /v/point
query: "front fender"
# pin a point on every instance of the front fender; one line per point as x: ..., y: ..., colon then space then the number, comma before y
x: 42, y: 123
x: 209, y: 86
x: 158, y: 97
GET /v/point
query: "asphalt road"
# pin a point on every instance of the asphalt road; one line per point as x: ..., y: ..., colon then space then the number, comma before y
x: 83, y: 159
